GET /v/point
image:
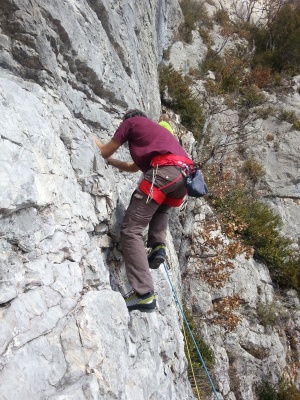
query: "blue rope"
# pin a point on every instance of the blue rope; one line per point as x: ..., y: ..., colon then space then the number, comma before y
x: 191, y: 334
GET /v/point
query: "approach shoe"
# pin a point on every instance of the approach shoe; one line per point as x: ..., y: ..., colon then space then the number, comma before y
x: 157, y: 256
x: 142, y: 302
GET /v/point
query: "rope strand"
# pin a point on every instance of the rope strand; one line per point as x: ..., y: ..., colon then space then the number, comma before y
x: 172, y: 273
x: 191, y: 334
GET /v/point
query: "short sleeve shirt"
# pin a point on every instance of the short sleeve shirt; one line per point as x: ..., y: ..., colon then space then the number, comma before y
x: 147, y: 139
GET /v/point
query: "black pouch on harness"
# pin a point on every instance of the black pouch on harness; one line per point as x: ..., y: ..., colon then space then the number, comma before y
x: 195, y: 183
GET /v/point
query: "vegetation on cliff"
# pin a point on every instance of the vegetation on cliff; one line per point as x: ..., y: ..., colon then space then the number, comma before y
x: 263, y: 56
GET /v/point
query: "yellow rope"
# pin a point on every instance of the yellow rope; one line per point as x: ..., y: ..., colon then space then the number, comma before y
x: 189, y: 358
x: 187, y: 346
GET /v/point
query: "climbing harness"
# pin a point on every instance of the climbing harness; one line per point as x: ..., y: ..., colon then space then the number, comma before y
x: 191, y: 334
x: 171, y: 159
x: 156, y: 193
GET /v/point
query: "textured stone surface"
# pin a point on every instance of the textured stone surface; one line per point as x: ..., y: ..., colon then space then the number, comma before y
x: 69, y: 70
x: 252, y: 328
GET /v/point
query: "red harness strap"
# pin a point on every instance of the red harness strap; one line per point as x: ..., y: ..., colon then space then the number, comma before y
x: 171, y: 159
x: 157, y: 195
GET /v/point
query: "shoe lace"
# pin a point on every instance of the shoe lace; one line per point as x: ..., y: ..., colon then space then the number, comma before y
x: 129, y: 294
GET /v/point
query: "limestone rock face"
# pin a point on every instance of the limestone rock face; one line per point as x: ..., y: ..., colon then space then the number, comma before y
x: 69, y: 70
x: 252, y: 328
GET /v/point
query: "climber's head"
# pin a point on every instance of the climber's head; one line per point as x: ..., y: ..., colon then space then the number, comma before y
x: 164, y: 117
x: 134, y: 113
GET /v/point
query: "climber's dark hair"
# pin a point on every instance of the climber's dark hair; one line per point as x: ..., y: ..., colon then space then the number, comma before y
x: 134, y: 113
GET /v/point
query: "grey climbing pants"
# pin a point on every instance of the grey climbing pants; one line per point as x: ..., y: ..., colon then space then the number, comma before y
x: 138, y: 216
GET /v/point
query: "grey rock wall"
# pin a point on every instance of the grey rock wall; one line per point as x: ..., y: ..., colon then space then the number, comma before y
x: 69, y: 70
x: 251, y: 326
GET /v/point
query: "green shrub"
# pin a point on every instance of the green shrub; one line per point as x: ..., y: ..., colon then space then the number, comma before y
x: 286, y: 33
x: 181, y: 99
x: 166, y: 53
x: 194, y: 362
x: 205, y: 35
x: 229, y: 69
x: 267, y: 392
x: 269, y: 314
x: 285, y: 115
x: 253, y: 169
x: 260, y: 37
x: 232, y: 73
x: 278, y: 45
x: 205, y: 351
x: 252, y: 96
x: 259, y: 227
x: 262, y: 230
x: 296, y: 124
x: 212, y: 62
x: 221, y: 17
x: 263, y: 233
x: 290, y: 117
x: 195, y: 15
x: 286, y: 391
x: 265, y: 112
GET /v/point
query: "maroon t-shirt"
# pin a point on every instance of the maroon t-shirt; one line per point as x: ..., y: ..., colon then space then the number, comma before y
x: 147, y: 139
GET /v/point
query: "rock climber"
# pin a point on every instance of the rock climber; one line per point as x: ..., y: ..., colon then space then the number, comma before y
x: 164, y: 163
x: 164, y: 122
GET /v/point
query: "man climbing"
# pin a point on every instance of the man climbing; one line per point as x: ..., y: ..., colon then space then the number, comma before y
x: 163, y: 161
x: 164, y: 122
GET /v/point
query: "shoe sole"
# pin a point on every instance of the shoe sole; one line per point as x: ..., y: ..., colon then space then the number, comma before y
x: 154, y: 264
x: 143, y: 307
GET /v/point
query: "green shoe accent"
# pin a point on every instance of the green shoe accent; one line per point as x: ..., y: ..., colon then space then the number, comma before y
x: 145, y: 302
x: 157, y: 256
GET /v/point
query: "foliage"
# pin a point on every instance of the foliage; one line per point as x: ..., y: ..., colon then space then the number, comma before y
x: 205, y: 35
x: 253, y: 169
x: 286, y: 391
x: 264, y: 113
x: 226, y: 316
x: 229, y: 70
x: 181, y: 99
x: 252, y: 96
x: 286, y: 33
x: 257, y: 224
x: 278, y: 45
x: 291, y: 117
x: 221, y: 17
x: 269, y: 314
x: 212, y: 62
x: 232, y: 68
x: 166, y: 53
x: 241, y: 76
x: 260, y: 76
x: 194, y: 362
x: 267, y: 392
x: 195, y: 15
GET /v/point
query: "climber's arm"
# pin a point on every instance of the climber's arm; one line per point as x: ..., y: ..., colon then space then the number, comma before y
x: 108, y: 149
x: 126, y: 166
